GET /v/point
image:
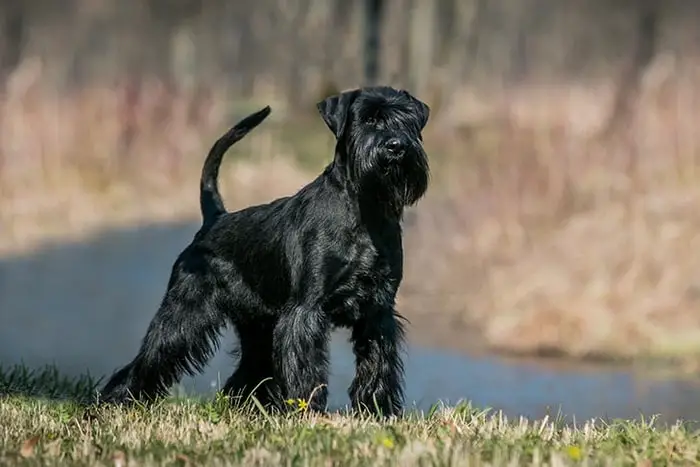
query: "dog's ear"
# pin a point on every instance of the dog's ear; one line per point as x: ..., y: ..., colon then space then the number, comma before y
x: 334, y: 110
x: 422, y: 109
x: 423, y: 113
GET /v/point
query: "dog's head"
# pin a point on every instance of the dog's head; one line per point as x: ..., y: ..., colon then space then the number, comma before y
x: 379, y: 142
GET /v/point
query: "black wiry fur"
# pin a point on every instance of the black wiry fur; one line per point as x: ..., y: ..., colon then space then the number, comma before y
x: 285, y: 273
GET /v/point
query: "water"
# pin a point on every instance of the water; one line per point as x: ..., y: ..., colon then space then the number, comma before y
x: 85, y: 307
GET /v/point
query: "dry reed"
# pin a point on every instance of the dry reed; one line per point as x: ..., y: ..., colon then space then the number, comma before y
x: 537, y: 235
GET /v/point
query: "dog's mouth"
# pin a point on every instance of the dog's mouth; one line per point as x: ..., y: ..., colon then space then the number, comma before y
x: 395, y: 166
x: 395, y: 155
x: 392, y: 164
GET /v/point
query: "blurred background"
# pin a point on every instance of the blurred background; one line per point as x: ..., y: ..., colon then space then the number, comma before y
x: 561, y: 224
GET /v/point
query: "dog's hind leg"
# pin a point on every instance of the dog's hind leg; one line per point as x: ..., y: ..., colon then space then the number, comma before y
x: 180, y: 339
x: 377, y: 339
x: 255, y: 370
x: 300, y: 351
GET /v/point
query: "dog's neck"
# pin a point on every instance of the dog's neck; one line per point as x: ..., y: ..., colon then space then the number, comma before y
x: 372, y: 204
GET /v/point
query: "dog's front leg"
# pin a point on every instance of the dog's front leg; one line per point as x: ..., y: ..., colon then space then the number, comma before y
x: 301, y: 357
x: 377, y: 340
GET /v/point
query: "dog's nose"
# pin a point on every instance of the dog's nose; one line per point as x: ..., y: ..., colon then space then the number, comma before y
x: 394, y: 146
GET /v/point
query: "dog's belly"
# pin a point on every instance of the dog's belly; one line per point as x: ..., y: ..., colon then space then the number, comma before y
x: 344, y: 313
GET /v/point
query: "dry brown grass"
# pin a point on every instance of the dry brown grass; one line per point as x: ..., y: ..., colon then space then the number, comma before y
x: 553, y: 240
x: 536, y: 236
x: 186, y: 432
x: 44, y: 421
x: 130, y: 153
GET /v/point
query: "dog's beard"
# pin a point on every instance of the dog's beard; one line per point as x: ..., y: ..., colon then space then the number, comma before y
x: 394, y: 183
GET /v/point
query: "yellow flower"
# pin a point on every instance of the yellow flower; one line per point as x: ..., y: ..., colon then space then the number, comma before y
x: 388, y: 443
x: 574, y: 452
x: 303, y: 405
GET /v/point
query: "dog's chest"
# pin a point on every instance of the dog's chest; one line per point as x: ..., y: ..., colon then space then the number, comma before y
x: 368, y: 278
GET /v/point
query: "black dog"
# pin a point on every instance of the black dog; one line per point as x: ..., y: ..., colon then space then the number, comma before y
x: 285, y: 273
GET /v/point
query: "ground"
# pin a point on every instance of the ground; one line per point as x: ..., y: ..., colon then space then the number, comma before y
x: 38, y: 426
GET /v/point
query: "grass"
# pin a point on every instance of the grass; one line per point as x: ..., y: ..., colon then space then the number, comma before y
x: 39, y: 426
x: 45, y: 383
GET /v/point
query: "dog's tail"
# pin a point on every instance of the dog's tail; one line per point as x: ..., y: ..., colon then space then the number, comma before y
x: 210, y: 201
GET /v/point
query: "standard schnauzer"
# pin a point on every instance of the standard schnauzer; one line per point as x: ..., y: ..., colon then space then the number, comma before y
x: 284, y: 274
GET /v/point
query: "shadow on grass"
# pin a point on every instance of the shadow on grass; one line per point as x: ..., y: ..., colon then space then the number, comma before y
x: 47, y: 383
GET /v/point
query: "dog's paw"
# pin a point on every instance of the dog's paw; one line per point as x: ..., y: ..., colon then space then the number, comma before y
x: 119, y: 395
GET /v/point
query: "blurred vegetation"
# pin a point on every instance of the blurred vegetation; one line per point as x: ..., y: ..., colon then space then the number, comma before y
x: 297, y: 48
x: 564, y: 207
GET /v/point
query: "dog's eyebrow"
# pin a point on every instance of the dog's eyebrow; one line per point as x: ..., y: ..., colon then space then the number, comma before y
x: 383, y: 109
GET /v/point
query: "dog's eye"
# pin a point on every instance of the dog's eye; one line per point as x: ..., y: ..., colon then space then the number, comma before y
x: 371, y: 121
